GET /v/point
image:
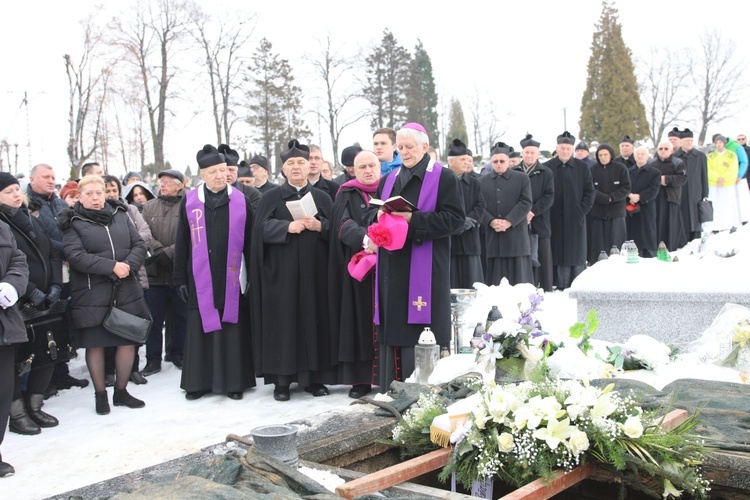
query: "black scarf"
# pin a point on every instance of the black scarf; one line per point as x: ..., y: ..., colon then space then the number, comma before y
x: 103, y: 216
x: 20, y: 218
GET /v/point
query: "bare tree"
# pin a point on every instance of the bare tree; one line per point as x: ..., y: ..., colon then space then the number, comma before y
x: 334, y: 71
x: 223, y: 46
x: 88, y: 86
x: 150, y: 41
x: 662, y: 87
x: 717, y: 80
x: 484, y: 123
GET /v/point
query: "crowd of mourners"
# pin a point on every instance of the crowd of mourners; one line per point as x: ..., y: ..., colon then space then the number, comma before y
x: 315, y: 280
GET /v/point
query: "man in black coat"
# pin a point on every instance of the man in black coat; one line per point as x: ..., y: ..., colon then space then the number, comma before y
x: 696, y: 188
x: 626, y: 152
x: 542, y: 195
x: 404, y: 314
x: 574, y: 197
x: 233, y: 158
x: 347, y: 161
x: 315, y: 177
x: 644, y: 187
x: 289, y: 273
x: 212, y: 248
x: 261, y: 170
x: 507, y: 194
x: 466, y: 263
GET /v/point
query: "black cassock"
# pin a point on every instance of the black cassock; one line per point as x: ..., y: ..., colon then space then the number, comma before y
x: 644, y: 181
x: 289, y: 292
x: 350, y: 306
x: 466, y: 251
x: 508, y: 196
x: 219, y: 361
x: 396, y: 336
x: 669, y: 227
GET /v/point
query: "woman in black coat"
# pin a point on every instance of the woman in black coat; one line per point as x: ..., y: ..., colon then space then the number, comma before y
x: 14, y: 276
x: 103, y: 247
x: 612, y: 186
x: 42, y: 292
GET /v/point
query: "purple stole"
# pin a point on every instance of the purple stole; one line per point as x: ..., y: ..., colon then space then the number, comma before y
x: 420, y: 270
x: 201, y: 265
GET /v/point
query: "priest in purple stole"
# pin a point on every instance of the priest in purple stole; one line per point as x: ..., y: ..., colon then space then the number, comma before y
x: 413, y: 284
x: 289, y: 277
x: 211, y: 249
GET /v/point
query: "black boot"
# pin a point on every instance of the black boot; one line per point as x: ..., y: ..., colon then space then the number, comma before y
x: 123, y: 398
x: 102, y: 402
x: 6, y: 469
x: 43, y: 419
x: 20, y: 423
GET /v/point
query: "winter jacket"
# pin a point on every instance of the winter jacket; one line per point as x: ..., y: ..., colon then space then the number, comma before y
x: 612, y: 185
x: 92, y: 249
x: 13, y: 270
x: 162, y: 216
x: 48, y: 208
x: 722, y: 166
x: 43, y: 261
x: 390, y: 166
x: 145, y: 233
x: 674, y: 176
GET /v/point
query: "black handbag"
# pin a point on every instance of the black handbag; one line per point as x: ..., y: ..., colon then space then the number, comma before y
x: 705, y: 211
x: 49, y: 337
x: 126, y: 325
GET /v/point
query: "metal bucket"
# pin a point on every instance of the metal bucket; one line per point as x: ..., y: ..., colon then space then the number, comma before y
x: 277, y: 441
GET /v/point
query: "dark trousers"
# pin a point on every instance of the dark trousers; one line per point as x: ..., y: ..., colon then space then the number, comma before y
x: 7, y: 382
x: 564, y: 275
x: 543, y: 273
x: 159, y: 300
x: 36, y: 383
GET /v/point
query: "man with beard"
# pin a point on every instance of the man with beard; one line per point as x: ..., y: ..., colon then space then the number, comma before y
x: 211, y: 249
x: 644, y: 186
x: 507, y: 193
x: 574, y: 197
x: 414, y: 282
x: 466, y: 264
x: 696, y: 188
x: 289, y: 272
x: 542, y: 195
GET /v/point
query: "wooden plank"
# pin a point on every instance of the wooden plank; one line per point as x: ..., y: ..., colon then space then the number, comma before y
x: 395, y: 474
x: 673, y: 419
x: 560, y: 481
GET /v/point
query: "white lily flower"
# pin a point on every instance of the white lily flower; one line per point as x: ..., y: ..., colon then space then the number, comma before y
x: 555, y: 432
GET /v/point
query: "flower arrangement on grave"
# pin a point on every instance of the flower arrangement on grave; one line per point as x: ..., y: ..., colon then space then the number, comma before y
x: 519, y: 433
x: 505, y: 347
x: 740, y: 353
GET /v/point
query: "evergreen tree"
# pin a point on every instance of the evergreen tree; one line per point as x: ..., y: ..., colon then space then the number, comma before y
x: 274, y: 102
x: 611, y: 105
x: 456, y: 125
x: 388, y: 77
x: 421, y: 97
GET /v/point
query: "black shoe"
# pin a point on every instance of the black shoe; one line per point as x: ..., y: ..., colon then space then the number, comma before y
x: 359, y: 390
x: 317, y: 390
x: 177, y: 362
x: 192, y: 396
x: 109, y: 381
x: 42, y: 419
x: 281, y: 393
x: 150, y: 369
x: 123, y: 398
x: 19, y: 421
x: 234, y: 395
x: 67, y: 381
x: 102, y: 402
x: 6, y: 469
x: 137, y: 378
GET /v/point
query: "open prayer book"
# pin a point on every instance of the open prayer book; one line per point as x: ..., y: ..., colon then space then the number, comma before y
x: 394, y: 204
x: 304, y: 207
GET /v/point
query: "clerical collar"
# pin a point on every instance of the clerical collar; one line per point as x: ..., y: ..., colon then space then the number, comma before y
x: 214, y: 191
x: 298, y: 188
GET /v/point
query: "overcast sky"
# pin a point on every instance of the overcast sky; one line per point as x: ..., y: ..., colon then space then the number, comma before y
x: 528, y: 57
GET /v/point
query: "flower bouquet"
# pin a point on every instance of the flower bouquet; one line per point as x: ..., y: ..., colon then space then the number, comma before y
x: 505, y: 347
x: 519, y: 433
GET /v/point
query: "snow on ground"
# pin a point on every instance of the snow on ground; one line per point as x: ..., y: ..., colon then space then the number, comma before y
x: 87, y: 448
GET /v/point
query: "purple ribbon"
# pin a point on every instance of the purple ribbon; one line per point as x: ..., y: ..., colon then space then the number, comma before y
x: 420, y: 269
x: 201, y: 265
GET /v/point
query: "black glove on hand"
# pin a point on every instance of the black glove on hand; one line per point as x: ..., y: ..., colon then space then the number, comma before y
x: 53, y: 296
x: 37, y: 297
x: 469, y: 223
x: 183, y: 293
